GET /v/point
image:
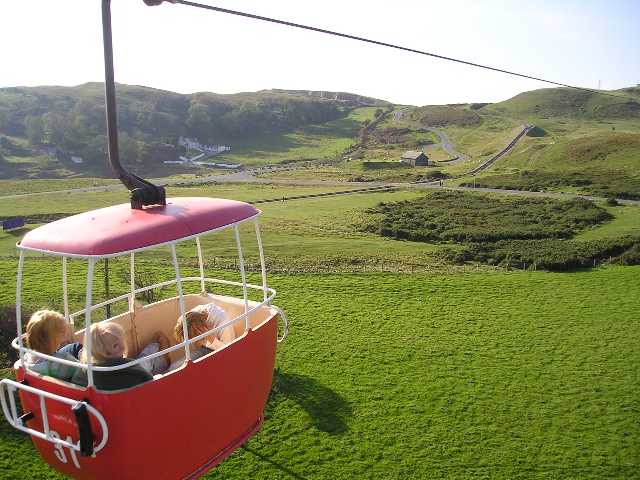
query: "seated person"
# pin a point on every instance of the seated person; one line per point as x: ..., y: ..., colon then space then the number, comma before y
x: 49, y: 332
x: 108, y: 349
x: 156, y: 365
x: 217, y: 317
x: 201, y: 319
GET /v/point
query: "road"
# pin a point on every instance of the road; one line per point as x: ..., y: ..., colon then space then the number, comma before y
x: 246, y: 176
x: 485, y: 165
x: 447, y: 146
x: 241, y: 176
x: 525, y: 193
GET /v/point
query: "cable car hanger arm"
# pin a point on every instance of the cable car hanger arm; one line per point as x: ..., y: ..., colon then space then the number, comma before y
x: 142, y: 192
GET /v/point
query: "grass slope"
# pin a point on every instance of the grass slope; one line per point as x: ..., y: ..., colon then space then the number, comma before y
x: 502, y: 376
x: 321, y: 234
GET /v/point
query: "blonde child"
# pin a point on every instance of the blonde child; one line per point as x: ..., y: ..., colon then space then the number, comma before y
x: 108, y: 348
x: 216, y: 317
x: 50, y: 333
x: 201, y: 319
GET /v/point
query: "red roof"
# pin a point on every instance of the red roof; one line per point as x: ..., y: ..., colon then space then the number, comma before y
x: 120, y: 228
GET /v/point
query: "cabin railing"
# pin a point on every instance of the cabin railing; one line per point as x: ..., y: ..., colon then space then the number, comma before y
x: 182, y: 345
x: 84, y: 446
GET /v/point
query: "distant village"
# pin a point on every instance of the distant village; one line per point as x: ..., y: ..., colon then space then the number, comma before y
x: 205, y: 152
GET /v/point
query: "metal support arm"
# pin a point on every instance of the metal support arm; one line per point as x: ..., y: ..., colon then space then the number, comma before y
x: 142, y: 192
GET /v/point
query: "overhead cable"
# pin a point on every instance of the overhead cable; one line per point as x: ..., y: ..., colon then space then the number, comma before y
x: 383, y: 44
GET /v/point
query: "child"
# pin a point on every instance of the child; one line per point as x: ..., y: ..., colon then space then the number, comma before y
x: 108, y: 349
x: 201, y: 319
x: 156, y: 365
x: 49, y: 332
x: 216, y: 317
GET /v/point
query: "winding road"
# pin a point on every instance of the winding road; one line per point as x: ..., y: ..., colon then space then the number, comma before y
x: 447, y: 146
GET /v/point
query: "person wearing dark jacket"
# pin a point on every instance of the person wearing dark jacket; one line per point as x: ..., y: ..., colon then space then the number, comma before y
x: 108, y: 347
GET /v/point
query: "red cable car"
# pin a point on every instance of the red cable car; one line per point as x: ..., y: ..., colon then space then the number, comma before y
x: 181, y: 423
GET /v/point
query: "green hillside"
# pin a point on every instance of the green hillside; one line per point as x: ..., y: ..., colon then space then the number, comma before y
x: 587, y: 142
x: 444, y: 115
x: 583, y: 141
x: 41, y: 128
x: 567, y: 102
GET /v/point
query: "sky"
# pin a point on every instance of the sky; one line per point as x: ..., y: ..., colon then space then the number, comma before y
x: 186, y: 50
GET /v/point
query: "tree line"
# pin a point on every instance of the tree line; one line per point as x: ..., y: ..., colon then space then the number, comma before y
x: 72, y: 119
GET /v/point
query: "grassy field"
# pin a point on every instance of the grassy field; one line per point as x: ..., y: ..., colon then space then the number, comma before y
x: 488, y: 375
x: 314, y: 234
x: 18, y: 187
x: 309, y: 235
x: 626, y: 221
x: 593, y: 159
x: 314, y: 142
x: 473, y: 374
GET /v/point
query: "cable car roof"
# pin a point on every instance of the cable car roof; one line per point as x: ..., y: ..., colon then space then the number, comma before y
x: 120, y: 229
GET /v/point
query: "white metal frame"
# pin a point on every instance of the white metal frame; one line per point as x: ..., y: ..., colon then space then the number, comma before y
x: 8, y: 389
x: 268, y: 295
x: 9, y: 386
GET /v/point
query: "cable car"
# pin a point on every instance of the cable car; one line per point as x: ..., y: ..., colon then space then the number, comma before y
x: 184, y: 422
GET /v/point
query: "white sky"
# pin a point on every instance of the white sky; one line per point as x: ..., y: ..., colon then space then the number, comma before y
x: 174, y: 47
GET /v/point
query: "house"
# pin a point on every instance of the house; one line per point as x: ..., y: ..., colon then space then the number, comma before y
x: 415, y: 159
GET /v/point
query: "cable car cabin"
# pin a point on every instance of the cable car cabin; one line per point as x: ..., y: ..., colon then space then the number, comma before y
x: 181, y: 423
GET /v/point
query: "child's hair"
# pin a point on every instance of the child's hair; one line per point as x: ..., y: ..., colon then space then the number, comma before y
x: 44, y: 329
x: 100, y: 333
x: 196, y: 324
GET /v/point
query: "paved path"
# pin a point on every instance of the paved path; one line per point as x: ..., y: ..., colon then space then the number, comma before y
x: 447, y: 146
x: 241, y: 176
x: 247, y: 176
x: 525, y: 193
x: 487, y: 164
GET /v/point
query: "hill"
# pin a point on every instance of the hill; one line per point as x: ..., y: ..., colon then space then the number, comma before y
x: 567, y: 102
x: 443, y: 115
x: 583, y: 140
x: 70, y: 121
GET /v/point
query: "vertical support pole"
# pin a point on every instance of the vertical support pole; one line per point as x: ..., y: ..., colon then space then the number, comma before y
x: 243, y: 275
x: 11, y: 390
x: 19, y: 304
x: 185, y: 330
x: 132, y: 280
x: 87, y: 322
x: 262, y: 265
x: 110, y: 90
x: 201, y: 265
x: 106, y: 288
x: 45, y: 418
x: 65, y: 290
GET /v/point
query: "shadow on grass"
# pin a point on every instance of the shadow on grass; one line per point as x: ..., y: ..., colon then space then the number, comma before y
x: 328, y: 410
x: 17, y: 232
x: 279, y: 466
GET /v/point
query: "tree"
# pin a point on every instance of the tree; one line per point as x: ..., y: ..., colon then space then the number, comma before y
x: 54, y: 126
x: 128, y: 149
x: 34, y: 129
x: 198, y: 120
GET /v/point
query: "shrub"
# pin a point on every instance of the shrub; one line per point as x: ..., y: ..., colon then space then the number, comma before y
x: 537, y: 132
x: 8, y: 355
x: 511, y: 233
x: 464, y: 217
